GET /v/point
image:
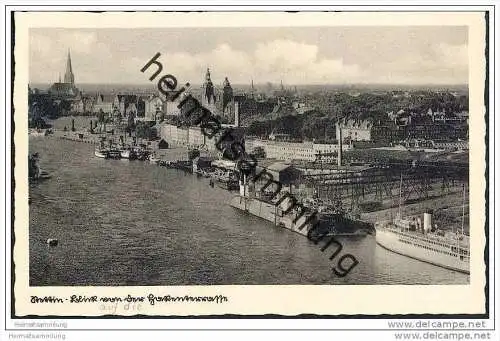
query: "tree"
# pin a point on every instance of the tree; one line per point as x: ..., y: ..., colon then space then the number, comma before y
x: 145, y: 131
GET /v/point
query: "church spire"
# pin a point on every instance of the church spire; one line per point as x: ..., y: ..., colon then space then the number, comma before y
x: 207, y: 76
x: 252, y: 89
x: 68, y: 76
x: 209, y: 95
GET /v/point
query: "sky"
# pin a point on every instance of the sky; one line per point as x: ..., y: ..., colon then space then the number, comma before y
x: 295, y: 55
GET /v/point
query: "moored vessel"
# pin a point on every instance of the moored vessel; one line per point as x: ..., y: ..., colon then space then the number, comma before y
x: 107, y: 153
x: 422, y: 241
x: 101, y: 153
x: 37, y: 132
x: 125, y: 153
x: 114, y: 154
x: 153, y: 159
x: 445, y: 249
x: 302, y: 219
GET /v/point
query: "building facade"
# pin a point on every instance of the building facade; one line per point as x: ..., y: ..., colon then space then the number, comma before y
x: 65, y: 90
x: 355, y: 130
x: 194, y: 137
x: 153, y: 108
x: 303, y: 151
x: 104, y: 103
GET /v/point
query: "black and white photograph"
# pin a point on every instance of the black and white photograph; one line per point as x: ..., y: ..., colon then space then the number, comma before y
x: 359, y: 125
x: 225, y: 156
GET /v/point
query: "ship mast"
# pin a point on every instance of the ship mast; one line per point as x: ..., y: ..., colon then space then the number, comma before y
x: 463, y: 210
x: 400, y: 197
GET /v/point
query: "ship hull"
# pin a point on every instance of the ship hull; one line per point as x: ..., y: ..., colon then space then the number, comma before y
x: 101, y: 154
x: 273, y: 214
x: 392, y: 242
x: 267, y: 211
x: 227, y: 185
x: 114, y: 154
x: 125, y: 154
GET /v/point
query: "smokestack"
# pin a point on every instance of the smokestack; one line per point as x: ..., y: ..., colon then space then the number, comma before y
x: 339, y: 154
x: 236, y: 114
x: 427, y: 221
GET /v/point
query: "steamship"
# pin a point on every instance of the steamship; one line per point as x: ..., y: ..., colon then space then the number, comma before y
x: 413, y: 239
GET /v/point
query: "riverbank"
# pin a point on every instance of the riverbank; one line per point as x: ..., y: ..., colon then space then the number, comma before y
x: 123, y: 223
x: 447, y: 204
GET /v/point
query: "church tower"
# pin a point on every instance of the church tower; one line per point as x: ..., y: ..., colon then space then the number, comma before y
x: 66, y: 89
x: 208, y: 93
x: 227, y: 99
x: 68, y: 76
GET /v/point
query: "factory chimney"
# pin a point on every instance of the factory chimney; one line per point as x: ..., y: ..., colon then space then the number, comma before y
x: 339, y: 137
x: 427, y: 221
x: 236, y: 114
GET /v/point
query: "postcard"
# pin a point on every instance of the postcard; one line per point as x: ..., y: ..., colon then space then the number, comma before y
x: 175, y: 164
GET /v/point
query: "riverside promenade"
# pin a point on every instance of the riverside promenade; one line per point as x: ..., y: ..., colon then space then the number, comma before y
x: 85, y: 137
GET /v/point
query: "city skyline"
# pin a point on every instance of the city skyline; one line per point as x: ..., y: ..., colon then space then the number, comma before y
x: 330, y: 55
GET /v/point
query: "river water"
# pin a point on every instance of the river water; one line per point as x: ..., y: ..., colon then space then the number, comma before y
x: 132, y: 223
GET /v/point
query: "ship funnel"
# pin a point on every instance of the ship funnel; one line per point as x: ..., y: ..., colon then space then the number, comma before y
x: 427, y: 221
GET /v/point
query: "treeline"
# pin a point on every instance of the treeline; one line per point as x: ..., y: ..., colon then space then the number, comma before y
x: 330, y: 107
x: 369, y: 105
x: 313, y: 125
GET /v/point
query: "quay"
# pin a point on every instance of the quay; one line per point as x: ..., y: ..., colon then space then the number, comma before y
x: 367, y: 193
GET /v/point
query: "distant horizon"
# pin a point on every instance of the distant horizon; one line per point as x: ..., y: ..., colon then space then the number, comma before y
x: 296, y: 55
x: 286, y: 86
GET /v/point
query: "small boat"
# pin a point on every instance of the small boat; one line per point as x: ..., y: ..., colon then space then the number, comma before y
x: 153, y: 159
x: 143, y: 155
x: 101, y: 153
x: 37, y: 132
x: 44, y: 175
x: 114, y: 154
x: 230, y: 185
x: 125, y: 153
x: 164, y: 163
x: 139, y: 153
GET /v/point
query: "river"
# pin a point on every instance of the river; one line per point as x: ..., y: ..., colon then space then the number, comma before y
x: 132, y: 223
